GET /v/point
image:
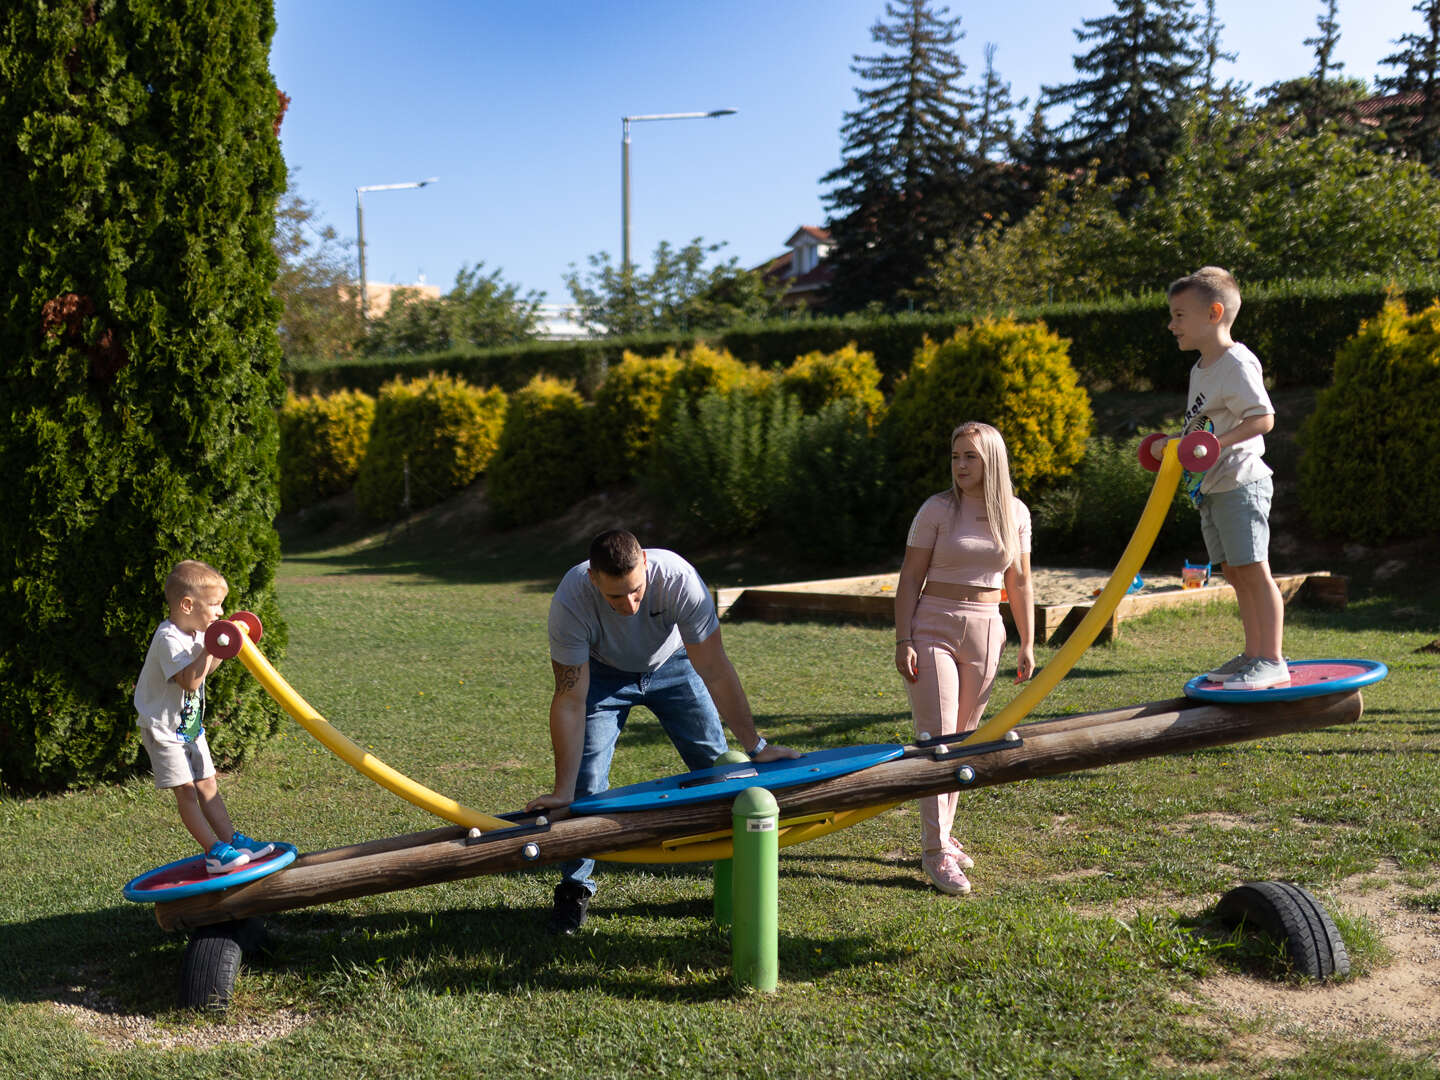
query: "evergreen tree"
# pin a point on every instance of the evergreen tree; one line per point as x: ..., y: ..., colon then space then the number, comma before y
x: 999, y: 185
x: 1323, y: 96
x: 1414, y: 126
x: 1141, y: 70
x: 901, y: 185
x: 140, y: 376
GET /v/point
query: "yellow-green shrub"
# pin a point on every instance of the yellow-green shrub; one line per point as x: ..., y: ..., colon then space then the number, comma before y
x: 704, y: 370
x: 431, y: 437
x: 1015, y: 376
x: 543, y: 464
x: 1370, y: 448
x: 322, y: 442
x: 819, y: 378
x: 627, y: 412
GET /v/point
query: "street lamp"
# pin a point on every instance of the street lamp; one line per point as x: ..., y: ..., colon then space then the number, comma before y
x: 625, y: 169
x: 360, y: 229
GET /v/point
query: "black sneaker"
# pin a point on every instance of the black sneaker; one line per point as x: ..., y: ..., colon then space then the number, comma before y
x: 571, y: 901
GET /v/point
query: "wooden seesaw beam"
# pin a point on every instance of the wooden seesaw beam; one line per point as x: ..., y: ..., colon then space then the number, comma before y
x: 1044, y: 748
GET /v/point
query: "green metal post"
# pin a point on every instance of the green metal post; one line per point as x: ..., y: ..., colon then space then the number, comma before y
x: 755, y: 939
x: 724, y: 889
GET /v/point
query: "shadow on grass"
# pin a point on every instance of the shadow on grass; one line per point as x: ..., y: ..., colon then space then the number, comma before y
x: 117, y: 960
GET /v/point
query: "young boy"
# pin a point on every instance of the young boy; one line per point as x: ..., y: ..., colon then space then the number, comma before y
x: 170, y: 700
x: 1227, y: 397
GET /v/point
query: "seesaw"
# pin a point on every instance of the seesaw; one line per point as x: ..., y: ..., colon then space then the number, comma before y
x: 661, y: 826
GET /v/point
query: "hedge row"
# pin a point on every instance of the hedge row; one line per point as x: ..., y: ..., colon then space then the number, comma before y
x: 1295, y: 328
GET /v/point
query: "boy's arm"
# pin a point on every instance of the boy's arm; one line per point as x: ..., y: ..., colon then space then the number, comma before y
x: 192, y: 675
x: 1248, y: 429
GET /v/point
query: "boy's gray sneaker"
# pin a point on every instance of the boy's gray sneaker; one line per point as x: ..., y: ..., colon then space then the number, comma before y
x: 1236, y: 664
x: 1259, y: 674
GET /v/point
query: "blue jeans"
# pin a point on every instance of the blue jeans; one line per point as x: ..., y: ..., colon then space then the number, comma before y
x: 677, y: 696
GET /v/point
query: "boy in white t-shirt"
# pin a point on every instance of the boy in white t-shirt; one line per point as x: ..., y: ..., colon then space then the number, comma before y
x: 1227, y: 397
x: 170, y: 701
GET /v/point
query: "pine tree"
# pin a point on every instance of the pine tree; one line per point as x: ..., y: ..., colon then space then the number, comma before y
x: 1322, y: 97
x: 1142, y: 68
x: 999, y: 185
x: 140, y: 376
x: 1414, y: 126
x: 900, y: 187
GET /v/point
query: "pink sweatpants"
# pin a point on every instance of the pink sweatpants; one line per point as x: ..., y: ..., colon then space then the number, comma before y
x: 957, y: 646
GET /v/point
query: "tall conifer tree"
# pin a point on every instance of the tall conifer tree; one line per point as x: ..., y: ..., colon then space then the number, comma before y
x: 1414, y: 126
x: 1141, y: 68
x: 139, y: 362
x: 900, y: 187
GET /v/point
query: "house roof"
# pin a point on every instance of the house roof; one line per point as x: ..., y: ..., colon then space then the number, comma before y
x: 814, y: 232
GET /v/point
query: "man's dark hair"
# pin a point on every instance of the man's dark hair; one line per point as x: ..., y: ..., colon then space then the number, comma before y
x: 614, y: 553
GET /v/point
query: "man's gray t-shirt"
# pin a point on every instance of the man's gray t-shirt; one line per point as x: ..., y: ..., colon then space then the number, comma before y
x: 675, y: 611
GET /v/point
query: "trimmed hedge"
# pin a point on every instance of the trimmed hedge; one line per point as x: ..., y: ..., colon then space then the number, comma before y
x: 820, y: 379
x: 543, y: 465
x: 628, y: 410
x: 430, y: 438
x: 322, y: 443
x: 1121, y: 344
x: 140, y: 383
x: 1014, y: 376
x: 1370, y: 449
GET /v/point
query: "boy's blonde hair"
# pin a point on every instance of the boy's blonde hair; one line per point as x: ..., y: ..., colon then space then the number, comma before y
x: 999, y: 492
x: 1215, y: 284
x: 191, y: 578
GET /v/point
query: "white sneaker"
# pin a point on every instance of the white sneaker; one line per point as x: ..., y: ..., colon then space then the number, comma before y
x: 1236, y: 664
x: 1260, y: 674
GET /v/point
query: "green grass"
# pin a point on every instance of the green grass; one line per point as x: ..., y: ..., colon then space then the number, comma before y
x: 1088, y: 924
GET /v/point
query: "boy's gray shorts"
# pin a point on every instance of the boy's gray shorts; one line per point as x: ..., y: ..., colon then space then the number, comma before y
x: 176, y: 763
x: 1236, y: 523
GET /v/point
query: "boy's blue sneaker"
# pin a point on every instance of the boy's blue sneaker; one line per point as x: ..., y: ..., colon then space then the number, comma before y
x: 1260, y: 674
x: 222, y: 858
x: 254, y: 848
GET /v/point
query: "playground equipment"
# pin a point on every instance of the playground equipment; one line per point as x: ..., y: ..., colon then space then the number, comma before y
x: 689, y: 818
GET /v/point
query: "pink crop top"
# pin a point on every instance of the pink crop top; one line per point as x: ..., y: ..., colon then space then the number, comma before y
x: 963, y: 550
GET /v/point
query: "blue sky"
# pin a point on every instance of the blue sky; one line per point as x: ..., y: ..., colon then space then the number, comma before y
x: 517, y: 108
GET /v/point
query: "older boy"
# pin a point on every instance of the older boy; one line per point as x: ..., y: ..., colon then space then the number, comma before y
x: 170, y: 701
x: 1227, y: 397
x: 634, y: 626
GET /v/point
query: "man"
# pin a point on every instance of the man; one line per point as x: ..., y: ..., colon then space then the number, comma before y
x: 634, y: 626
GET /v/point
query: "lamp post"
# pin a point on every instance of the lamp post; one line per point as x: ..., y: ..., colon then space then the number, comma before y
x: 625, y: 169
x: 360, y: 230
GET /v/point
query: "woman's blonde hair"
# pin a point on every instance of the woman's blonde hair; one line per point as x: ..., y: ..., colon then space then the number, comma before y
x: 999, y: 493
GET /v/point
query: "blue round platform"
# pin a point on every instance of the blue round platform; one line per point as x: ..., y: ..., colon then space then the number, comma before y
x: 727, y: 781
x: 188, y: 877
x: 1308, y: 678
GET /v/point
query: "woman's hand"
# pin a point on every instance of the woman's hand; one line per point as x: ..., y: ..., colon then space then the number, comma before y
x: 906, y: 662
x: 1024, y: 663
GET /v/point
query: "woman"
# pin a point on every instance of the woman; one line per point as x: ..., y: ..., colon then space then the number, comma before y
x: 963, y: 545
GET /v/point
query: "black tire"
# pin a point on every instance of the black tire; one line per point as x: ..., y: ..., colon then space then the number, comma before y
x: 1290, y: 914
x: 212, y: 962
x: 253, y: 938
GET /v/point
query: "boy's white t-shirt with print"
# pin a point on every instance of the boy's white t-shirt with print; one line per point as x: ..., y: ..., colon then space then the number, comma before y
x: 163, y: 705
x: 1229, y: 391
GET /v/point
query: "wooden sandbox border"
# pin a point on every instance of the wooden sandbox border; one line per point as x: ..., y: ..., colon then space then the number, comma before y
x: 835, y: 598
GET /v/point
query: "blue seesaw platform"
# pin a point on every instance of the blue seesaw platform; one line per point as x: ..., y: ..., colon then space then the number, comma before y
x: 727, y: 781
x: 1308, y: 678
x: 188, y: 877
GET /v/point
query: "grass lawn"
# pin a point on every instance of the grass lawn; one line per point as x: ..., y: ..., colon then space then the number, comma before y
x: 1085, y: 950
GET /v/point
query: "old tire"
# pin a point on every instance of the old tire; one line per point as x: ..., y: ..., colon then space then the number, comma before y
x: 1289, y: 914
x: 212, y: 962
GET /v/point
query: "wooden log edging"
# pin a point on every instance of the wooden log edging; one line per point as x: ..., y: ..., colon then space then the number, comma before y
x: 1045, y: 748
